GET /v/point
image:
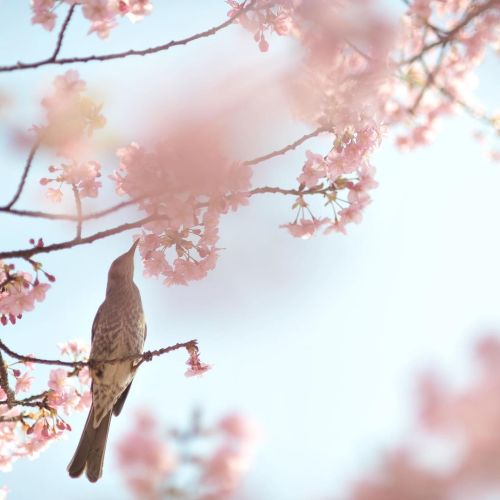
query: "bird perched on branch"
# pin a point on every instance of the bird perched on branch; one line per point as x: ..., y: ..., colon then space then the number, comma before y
x: 118, y: 331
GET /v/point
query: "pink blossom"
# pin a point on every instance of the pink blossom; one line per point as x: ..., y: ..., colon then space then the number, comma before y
x: 44, y: 17
x: 138, y: 9
x: 144, y: 458
x: 97, y: 10
x: 23, y: 383
x: 314, y: 169
x: 54, y: 195
x: 58, y: 379
x: 76, y: 348
x: 239, y: 427
x: 38, y: 291
x: 304, y: 228
x: 336, y: 226
x: 69, y: 82
x: 192, y: 184
x: 351, y: 213
x: 196, y: 367
x: 224, y: 469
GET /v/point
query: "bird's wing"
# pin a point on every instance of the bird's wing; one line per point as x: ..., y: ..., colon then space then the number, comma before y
x: 121, y: 401
x: 96, y: 320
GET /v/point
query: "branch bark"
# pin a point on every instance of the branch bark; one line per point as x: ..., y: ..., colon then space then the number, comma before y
x: 52, y: 60
x: 22, y: 182
x: 141, y: 358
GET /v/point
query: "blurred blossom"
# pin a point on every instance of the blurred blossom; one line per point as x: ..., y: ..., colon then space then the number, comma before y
x: 199, y: 462
x: 466, y: 422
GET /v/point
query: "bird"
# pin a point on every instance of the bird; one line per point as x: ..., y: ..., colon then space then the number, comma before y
x: 119, y: 330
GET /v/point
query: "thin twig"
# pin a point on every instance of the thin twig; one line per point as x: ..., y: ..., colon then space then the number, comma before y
x: 22, y: 182
x: 121, y: 55
x: 290, y: 147
x: 62, y: 32
x: 141, y: 358
x: 431, y: 77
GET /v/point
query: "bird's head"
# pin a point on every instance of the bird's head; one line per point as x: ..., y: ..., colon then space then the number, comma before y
x: 122, y: 267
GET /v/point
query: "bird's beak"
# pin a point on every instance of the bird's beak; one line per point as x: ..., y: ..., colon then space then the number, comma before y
x: 133, y: 247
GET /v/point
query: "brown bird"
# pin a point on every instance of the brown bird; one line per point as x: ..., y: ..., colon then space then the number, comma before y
x: 119, y: 330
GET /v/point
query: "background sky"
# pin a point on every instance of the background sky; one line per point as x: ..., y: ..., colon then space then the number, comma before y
x: 319, y: 340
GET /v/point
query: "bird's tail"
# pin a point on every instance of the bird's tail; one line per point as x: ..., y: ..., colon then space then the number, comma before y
x: 89, y: 454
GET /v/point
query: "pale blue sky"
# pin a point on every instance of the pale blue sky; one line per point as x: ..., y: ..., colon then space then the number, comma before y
x: 317, y: 340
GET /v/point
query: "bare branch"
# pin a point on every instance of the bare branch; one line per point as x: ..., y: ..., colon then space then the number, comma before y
x: 122, y: 55
x: 29, y: 252
x: 141, y: 358
x: 26, y: 170
x: 288, y: 148
x: 62, y: 32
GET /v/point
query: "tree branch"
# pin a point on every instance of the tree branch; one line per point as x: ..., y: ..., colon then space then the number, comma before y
x: 62, y: 32
x: 29, y: 252
x: 121, y: 55
x: 443, y: 40
x: 133, y: 201
x: 289, y: 192
x: 141, y: 358
x: 288, y: 148
x: 26, y: 170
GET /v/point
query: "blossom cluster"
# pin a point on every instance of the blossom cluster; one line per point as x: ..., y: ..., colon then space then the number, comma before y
x: 19, y: 290
x: 217, y: 457
x: 102, y: 14
x: 71, y: 115
x: 25, y: 433
x: 409, y: 75
x: 265, y: 17
x: 440, y: 46
x: 82, y: 176
x: 187, y: 184
x: 457, y: 447
x: 343, y: 178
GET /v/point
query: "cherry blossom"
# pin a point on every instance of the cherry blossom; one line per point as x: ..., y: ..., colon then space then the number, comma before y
x: 19, y: 291
x: 72, y: 117
x: 103, y: 14
x: 80, y: 175
x: 192, y: 185
x: 462, y: 423
x: 196, y: 367
x: 27, y: 433
x: 154, y: 463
